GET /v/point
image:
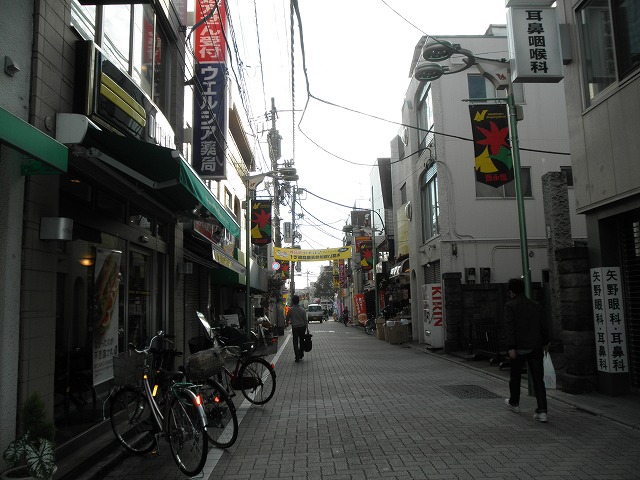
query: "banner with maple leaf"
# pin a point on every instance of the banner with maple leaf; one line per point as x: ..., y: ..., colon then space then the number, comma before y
x: 261, y: 222
x: 365, y: 247
x: 493, y: 161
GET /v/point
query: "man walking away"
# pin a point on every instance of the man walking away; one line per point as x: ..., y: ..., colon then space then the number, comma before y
x: 297, y: 317
x: 527, y: 338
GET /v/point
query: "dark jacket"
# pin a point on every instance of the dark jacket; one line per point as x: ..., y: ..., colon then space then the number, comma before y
x: 525, y: 325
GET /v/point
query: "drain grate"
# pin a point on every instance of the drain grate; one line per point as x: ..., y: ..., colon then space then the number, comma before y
x: 469, y: 391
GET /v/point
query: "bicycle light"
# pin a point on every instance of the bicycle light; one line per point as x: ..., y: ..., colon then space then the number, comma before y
x: 197, y: 401
x: 155, y: 390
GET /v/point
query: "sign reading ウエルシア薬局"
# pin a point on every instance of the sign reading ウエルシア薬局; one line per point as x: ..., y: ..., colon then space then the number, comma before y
x: 609, y: 320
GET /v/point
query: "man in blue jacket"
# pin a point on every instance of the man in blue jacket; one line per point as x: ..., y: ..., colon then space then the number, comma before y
x: 527, y: 338
x: 297, y: 317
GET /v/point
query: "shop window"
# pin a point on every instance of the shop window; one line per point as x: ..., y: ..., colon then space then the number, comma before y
x: 430, y: 203
x: 140, y: 218
x: 609, y: 42
x: 79, y: 190
x: 568, y: 171
x: 133, y: 39
x: 110, y: 206
x: 508, y: 190
x: 117, y: 34
x: 425, y: 116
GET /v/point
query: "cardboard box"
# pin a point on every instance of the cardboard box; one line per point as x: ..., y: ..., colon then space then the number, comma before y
x: 397, y: 334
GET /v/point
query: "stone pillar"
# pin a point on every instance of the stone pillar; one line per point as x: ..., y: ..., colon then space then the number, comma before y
x: 558, y: 226
x: 453, y: 318
x: 579, y: 375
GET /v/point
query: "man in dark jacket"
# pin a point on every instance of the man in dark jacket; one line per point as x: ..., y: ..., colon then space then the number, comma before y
x: 297, y: 317
x: 527, y: 338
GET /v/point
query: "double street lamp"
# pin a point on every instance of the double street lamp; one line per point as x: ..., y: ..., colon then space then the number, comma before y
x: 286, y: 174
x: 496, y: 71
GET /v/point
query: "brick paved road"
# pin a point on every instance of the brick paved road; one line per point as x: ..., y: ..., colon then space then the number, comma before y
x: 359, y: 408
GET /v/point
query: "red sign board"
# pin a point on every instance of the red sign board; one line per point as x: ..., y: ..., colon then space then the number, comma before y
x: 210, y: 45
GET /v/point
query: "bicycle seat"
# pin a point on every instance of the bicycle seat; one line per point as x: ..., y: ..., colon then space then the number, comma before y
x: 169, y: 376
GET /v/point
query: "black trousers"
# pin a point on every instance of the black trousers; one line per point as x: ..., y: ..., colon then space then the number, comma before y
x: 536, y: 372
x: 298, y: 333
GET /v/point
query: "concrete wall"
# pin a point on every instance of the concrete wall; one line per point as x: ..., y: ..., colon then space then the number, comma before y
x: 16, y: 43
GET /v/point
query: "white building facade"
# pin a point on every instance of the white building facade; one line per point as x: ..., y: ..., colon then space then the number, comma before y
x: 455, y: 223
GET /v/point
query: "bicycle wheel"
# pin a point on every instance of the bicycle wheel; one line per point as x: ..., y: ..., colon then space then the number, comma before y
x: 187, y: 436
x: 370, y: 327
x: 132, y: 420
x: 257, y: 380
x: 222, y: 421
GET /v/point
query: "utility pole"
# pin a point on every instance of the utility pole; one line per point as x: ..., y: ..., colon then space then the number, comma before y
x: 292, y: 286
x: 274, y: 141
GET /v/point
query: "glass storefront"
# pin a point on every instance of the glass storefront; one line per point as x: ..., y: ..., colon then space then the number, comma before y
x: 110, y: 292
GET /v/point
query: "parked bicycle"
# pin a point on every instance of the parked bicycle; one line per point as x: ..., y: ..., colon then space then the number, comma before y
x: 252, y: 374
x: 370, y: 326
x: 222, y: 419
x: 138, y: 421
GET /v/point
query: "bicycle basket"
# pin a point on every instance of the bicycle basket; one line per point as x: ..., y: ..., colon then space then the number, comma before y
x: 127, y: 367
x: 197, y: 344
x: 204, y: 364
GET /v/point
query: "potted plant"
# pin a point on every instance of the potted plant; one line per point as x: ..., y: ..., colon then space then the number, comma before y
x: 32, y: 455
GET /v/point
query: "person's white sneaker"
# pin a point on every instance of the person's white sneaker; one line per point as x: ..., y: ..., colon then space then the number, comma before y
x: 541, y: 417
x: 513, y: 408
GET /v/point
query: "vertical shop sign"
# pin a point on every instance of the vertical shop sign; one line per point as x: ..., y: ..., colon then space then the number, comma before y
x: 343, y: 273
x: 261, y: 222
x: 210, y: 101
x: 609, y: 320
x: 336, y: 273
x: 534, y: 44
x: 364, y: 246
x: 105, y: 313
x: 433, y: 314
x: 491, y: 147
x: 361, y: 308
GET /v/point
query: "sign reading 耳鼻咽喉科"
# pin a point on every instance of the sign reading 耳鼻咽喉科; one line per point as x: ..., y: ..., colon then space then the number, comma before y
x: 534, y: 44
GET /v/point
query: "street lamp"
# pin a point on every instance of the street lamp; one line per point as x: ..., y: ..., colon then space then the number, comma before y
x: 287, y: 174
x: 438, y: 51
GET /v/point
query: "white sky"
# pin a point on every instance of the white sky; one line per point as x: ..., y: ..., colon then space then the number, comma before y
x: 358, y: 55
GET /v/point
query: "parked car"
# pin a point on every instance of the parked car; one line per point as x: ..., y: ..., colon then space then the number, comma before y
x: 315, y: 312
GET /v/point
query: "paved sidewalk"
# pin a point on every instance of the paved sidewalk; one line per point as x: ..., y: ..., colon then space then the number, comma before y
x: 359, y: 408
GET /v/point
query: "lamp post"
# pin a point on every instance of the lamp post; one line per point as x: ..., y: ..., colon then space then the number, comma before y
x: 251, y: 183
x: 437, y: 51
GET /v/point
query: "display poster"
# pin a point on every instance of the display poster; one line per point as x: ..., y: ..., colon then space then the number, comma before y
x: 361, y: 308
x: 492, y: 150
x: 105, y: 313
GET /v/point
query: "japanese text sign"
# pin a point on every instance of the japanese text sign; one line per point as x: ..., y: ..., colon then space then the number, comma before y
x: 534, y: 45
x: 609, y: 320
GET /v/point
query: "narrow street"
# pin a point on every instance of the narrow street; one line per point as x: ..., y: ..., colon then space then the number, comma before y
x: 359, y: 408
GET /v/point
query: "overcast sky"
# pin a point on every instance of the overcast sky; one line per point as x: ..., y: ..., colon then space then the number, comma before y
x: 358, y: 54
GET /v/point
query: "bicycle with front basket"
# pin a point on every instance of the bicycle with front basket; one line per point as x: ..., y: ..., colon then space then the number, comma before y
x: 139, y: 420
x: 252, y: 374
x: 222, y: 419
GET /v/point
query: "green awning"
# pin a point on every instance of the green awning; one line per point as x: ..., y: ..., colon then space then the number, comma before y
x: 43, y: 155
x: 161, y: 169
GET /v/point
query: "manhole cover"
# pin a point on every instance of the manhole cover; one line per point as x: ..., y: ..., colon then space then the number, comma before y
x: 469, y: 391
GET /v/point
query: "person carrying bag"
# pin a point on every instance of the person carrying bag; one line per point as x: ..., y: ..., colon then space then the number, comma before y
x: 297, y: 317
x: 306, y: 342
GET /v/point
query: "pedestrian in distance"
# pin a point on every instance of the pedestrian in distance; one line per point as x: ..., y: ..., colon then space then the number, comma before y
x: 297, y: 317
x: 527, y: 339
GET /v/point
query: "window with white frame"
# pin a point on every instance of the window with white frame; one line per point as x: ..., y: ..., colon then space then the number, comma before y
x: 430, y: 203
x: 425, y: 116
x: 508, y: 190
x: 610, y: 42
